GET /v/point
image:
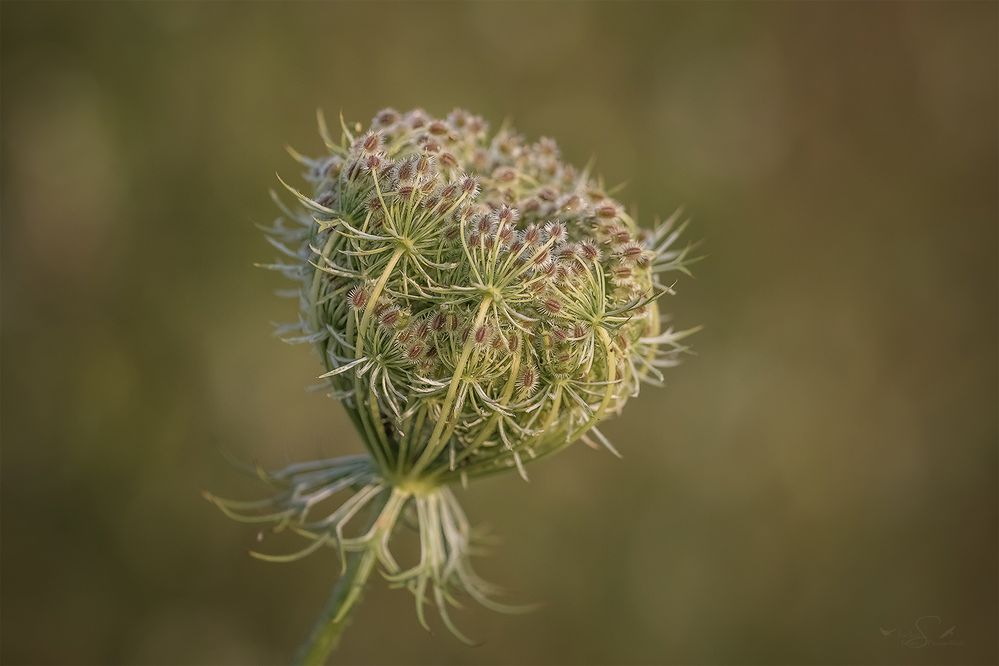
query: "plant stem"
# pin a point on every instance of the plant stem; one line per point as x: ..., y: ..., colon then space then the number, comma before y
x: 432, y: 447
x: 326, y: 632
x: 335, y: 617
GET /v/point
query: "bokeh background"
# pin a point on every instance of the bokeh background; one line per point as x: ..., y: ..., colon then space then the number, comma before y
x: 824, y: 469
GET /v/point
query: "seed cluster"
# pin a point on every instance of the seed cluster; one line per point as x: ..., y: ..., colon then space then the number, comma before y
x: 477, y: 302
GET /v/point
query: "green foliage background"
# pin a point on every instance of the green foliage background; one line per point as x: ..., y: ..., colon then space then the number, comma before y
x: 823, y: 469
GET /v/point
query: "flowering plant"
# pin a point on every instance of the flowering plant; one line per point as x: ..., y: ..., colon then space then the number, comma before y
x: 478, y: 304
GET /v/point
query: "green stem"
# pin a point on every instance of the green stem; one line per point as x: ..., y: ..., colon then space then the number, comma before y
x: 369, y: 309
x: 432, y: 448
x: 326, y: 632
x: 329, y: 627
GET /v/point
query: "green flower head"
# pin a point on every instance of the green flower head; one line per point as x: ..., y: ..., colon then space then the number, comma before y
x: 477, y: 304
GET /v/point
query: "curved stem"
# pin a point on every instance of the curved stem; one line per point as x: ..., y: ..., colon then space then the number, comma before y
x: 433, y: 444
x: 326, y: 632
x: 372, y: 299
x: 329, y: 627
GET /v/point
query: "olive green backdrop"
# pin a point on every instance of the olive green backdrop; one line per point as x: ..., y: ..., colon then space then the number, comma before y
x: 821, y: 474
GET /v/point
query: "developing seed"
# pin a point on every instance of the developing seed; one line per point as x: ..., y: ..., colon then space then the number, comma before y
x: 504, y: 175
x: 423, y: 164
x: 387, y: 117
x: 390, y: 317
x: 631, y: 251
x: 527, y: 381
x: 358, y: 296
x: 405, y: 172
x: 372, y: 142
x: 530, y: 205
x: 470, y: 186
x: 532, y: 234
x: 589, y: 250
x: 556, y: 231
x: 551, y: 306
x: 448, y: 160
x: 607, y: 211
x: 540, y: 259
x: 507, y: 215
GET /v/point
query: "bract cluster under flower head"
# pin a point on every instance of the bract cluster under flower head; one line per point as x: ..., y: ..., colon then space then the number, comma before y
x: 478, y: 303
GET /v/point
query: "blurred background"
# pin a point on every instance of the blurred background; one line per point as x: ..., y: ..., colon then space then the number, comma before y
x: 818, y: 478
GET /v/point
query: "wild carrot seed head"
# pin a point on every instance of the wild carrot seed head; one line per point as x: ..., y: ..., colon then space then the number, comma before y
x: 431, y: 221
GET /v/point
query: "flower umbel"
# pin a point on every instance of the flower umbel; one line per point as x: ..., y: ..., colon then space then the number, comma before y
x: 477, y: 304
